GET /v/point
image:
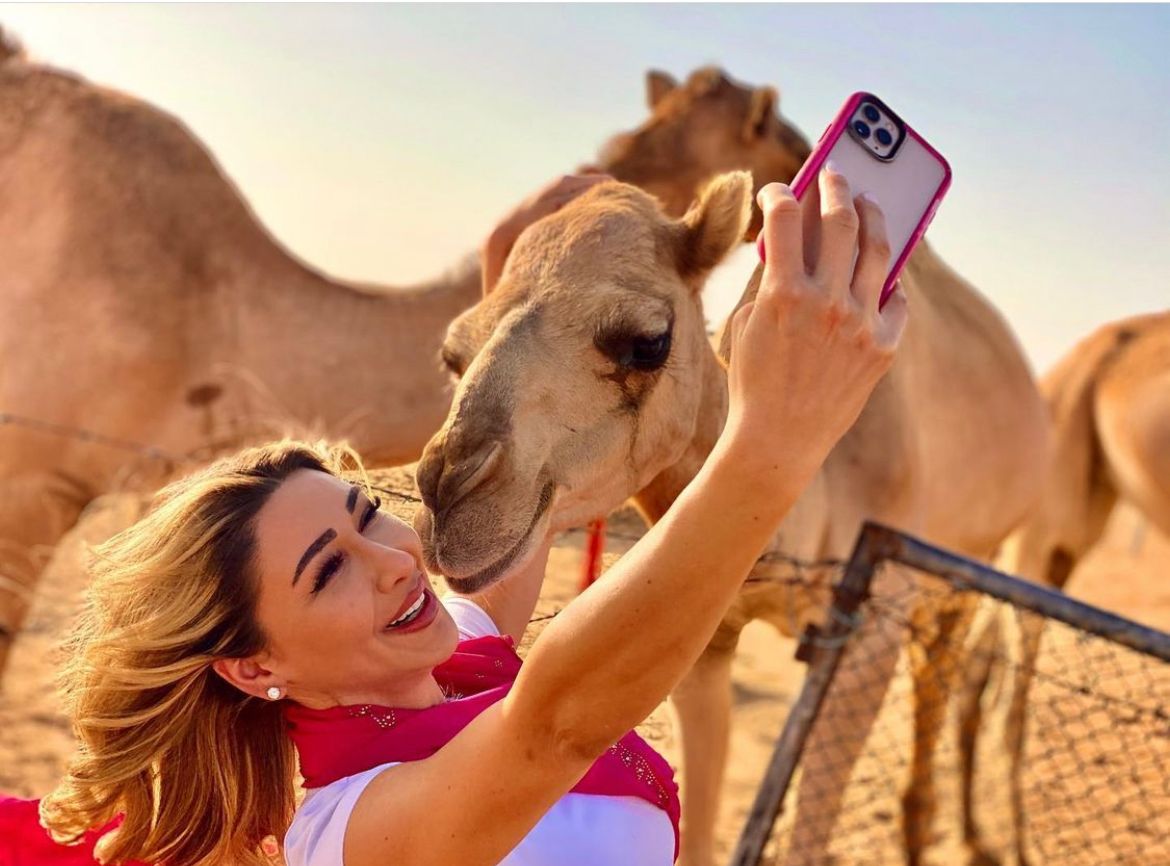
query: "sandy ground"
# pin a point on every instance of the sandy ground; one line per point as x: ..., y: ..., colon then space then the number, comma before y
x: 1096, y: 763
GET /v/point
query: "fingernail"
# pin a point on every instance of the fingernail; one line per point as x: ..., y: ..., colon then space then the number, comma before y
x: 832, y: 167
x: 777, y: 188
x: 871, y: 198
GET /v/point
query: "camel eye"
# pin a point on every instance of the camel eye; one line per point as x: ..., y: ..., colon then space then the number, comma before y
x: 451, y: 362
x: 650, y: 353
x: 637, y: 351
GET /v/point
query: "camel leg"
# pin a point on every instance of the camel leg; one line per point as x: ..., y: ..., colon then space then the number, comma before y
x: 35, y: 511
x: 987, y: 684
x: 702, y: 709
x: 937, y: 663
x: 1026, y: 631
x: 839, y: 736
x: 1022, y: 632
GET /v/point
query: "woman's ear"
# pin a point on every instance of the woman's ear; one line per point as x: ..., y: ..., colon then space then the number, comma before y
x: 246, y: 675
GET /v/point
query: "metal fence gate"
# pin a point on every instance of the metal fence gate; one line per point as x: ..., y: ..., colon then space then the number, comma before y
x: 955, y: 714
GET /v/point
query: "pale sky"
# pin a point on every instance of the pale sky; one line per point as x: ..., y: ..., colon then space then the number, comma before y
x: 380, y: 143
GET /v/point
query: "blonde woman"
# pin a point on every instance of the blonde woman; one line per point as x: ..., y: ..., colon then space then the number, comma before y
x: 266, y: 607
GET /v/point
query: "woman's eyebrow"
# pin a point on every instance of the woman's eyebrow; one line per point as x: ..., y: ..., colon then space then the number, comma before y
x: 324, y: 538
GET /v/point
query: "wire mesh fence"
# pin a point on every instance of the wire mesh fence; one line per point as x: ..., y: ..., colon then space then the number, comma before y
x: 942, y: 724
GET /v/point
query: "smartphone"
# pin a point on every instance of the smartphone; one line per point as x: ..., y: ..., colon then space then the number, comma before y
x: 881, y: 154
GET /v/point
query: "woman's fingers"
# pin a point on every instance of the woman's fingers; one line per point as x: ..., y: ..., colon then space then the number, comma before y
x: 891, y: 321
x: 839, y: 229
x: 784, y: 261
x: 739, y: 320
x: 873, y: 257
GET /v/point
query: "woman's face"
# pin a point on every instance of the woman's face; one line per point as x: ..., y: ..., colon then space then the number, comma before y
x: 347, y: 606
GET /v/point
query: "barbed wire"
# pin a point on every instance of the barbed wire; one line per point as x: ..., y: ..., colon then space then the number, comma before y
x: 83, y: 435
x: 799, y: 565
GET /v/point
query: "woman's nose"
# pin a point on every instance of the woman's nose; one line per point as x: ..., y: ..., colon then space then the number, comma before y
x: 393, y: 566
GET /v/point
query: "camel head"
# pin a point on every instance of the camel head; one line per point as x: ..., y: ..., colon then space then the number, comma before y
x: 579, y: 376
x: 709, y: 125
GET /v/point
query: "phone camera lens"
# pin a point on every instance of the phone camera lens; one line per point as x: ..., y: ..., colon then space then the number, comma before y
x: 861, y: 128
x: 871, y: 114
x: 884, y: 138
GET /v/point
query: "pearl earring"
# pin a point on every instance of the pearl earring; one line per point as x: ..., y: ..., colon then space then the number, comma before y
x: 273, y: 693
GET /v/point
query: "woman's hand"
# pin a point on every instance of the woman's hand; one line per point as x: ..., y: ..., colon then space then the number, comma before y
x: 546, y: 200
x: 808, y: 351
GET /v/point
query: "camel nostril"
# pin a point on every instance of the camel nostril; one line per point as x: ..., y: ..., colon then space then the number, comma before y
x: 461, y: 479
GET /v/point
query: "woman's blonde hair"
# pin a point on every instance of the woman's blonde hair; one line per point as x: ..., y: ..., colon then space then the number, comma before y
x: 203, y: 772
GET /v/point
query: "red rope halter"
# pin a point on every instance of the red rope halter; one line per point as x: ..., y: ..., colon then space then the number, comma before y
x: 593, y: 550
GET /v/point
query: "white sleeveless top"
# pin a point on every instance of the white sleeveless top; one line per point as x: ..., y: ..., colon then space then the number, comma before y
x: 579, y: 829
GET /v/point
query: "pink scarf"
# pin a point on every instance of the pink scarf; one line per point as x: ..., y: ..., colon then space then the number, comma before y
x: 24, y: 842
x: 341, y: 741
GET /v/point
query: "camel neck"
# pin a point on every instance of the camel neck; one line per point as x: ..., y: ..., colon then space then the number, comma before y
x: 363, y: 362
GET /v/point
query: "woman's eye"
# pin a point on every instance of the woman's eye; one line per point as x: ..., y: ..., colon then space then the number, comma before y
x: 371, y: 512
x: 328, y: 569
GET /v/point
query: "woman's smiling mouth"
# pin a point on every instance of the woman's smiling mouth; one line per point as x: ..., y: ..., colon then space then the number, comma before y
x: 418, y: 610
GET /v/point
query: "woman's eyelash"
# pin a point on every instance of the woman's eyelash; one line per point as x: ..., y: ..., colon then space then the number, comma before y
x: 371, y: 512
x: 330, y: 566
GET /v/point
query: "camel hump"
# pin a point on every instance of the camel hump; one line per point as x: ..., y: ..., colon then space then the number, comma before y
x: 10, y: 47
x: 1071, y: 390
x: 1070, y: 384
x: 1074, y: 378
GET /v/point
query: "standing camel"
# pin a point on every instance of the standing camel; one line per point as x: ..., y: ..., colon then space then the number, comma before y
x: 586, y: 377
x: 1109, y: 403
x: 1109, y: 399
x: 144, y: 301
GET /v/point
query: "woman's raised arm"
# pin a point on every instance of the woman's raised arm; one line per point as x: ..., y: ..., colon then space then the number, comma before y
x: 613, y: 654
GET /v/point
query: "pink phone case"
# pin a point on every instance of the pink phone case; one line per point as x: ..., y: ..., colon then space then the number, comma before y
x: 909, y: 182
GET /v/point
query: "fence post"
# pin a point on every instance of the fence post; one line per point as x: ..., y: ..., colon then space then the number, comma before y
x: 821, y: 647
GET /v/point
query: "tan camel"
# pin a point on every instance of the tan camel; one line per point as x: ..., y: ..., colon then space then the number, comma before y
x: 1109, y: 399
x: 587, y: 378
x: 702, y: 128
x: 143, y: 300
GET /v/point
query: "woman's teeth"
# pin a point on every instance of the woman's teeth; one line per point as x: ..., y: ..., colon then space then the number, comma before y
x: 412, y: 612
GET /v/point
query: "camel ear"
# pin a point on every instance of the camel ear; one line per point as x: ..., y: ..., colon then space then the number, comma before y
x: 715, y: 224
x: 761, y: 111
x: 658, y: 85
